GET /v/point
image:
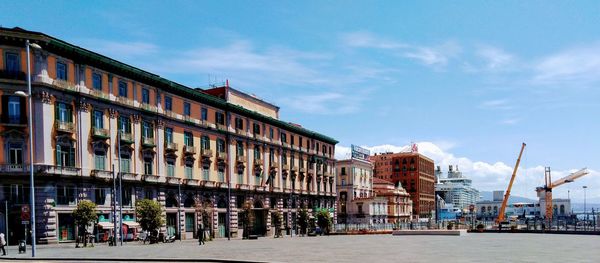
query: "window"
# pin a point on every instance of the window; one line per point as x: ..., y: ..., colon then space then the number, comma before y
x: 149, y: 194
x: 220, y: 117
x: 125, y: 162
x: 124, y: 124
x: 65, y: 195
x: 187, y: 109
x: 283, y: 138
x: 126, y: 194
x: 168, y: 103
x: 11, y: 62
x: 292, y: 139
x: 300, y: 141
x: 240, y: 148
x: 97, y: 81
x: 170, y: 167
x: 220, y: 145
x: 100, y: 194
x: 239, y: 124
x: 61, y: 70
x: 205, y: 142
x: 15, y: 153
x: 204, y: 114
x: 189, y: 170
x: 145, y: 96
x: 18, y: 193
x: 221, y: 174
x: 240, y: 177
x: 271, y: 155
x: 189, y: 222
x: 13, y: 108
x: 168, y: 135
x: 205, y: 173
x: 63, y: 112
x: 271, y: 132
x: 65, y: 155
x: 148, y: 166
x: 98, y: 119
x: 100, y: 160
x: 188, y: 139
x: 122, y: 88
x: 257, y: 152
x: 256, y: 128
x: 343, y: 170
x: 147, y: 129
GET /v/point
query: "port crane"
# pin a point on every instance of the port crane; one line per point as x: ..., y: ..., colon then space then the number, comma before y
x: 546, y: 190
x: 501, y: 217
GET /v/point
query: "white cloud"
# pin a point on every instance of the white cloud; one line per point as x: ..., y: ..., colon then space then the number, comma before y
x: 495, y: 58
x: 578, y: 65
x: 494, y: 176
x: 434, y: 55
x: 498, y: 104
x: 368, y: 40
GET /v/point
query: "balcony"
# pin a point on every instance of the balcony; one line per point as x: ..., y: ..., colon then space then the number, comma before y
x: 173, y: 180
x: 274, y: 165
x: 222, y: 156
x: 65, y: 85
x: 99, y: 94
x: 286, y: 167
x: 63, y: 126
x: 57, y: 170
x: 13, y: 74
x: 285, y: 144
x: 207, y: 153
x: 170, y: 114
x: 242, y: 187
x: 151, y: 178
x: 189, y: 119
x: 125, y: 100
x: 101, y: 174
x: 126, y: 137
x: 302, y: 170
x: 190, y: 182
x: 14, y: 121
x: 148, y: 141
x: 189, y: 149
x: 148, y: 107
x: 100, y: 133
x: 240, y: 159
x: 130, y: 176
x: 14, y: 168
x: 221, y: 127
x: 206, y: 183
x: 327, y: 174
x: 258, y: 162
x: 171, y: 147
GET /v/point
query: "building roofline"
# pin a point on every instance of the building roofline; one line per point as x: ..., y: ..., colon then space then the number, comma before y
x: 80, y: 54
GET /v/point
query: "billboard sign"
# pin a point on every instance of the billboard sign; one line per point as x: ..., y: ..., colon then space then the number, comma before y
x: 360, y: 153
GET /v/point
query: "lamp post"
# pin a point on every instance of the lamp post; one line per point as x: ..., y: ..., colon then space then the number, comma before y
x: 584, y: 207
x: 30, y: 126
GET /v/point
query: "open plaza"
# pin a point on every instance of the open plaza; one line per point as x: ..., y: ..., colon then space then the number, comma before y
x: 473, y: 247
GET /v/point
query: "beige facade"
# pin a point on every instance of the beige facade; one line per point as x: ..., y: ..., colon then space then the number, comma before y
x: 95, y: 118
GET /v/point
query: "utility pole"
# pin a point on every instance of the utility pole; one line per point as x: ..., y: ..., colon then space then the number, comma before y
x: 179, y: 208
x: 6, y: 220
x: 114, y: 205
x: 120, y: 192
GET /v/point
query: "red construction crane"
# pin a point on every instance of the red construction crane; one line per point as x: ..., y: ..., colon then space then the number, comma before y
x: 546, y: 190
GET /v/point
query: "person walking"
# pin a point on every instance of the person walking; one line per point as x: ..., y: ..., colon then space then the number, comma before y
x: 201, y: 234
x: 2, y: 244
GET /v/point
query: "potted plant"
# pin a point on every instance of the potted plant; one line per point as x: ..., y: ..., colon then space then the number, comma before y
x: 480, y: 227
x: 450, y: 225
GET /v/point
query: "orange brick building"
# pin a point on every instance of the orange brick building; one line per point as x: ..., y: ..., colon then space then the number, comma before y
x: 416, y: 174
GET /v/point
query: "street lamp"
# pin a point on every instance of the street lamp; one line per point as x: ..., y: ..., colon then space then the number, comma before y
x: 584, y: 207
x: 30, y: 126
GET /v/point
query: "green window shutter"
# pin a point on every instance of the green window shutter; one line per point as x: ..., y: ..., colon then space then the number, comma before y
x: 56, y: 114
x: 72, y: 156
x: 58, y: 156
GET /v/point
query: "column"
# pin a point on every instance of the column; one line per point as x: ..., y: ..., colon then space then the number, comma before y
x: 83, y: 130
x: 42, y: 127
x: 112, y: 155
x: 160, y: 157
x: 136, y: 132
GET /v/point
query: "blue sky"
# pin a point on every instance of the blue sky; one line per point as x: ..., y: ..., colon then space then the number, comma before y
x: 469, y: 81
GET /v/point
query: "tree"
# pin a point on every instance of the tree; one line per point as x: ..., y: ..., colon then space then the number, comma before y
x: 324, y: 221
x: 277, y: 218
x: 204, y: 209
x: 247, y: 218
x: 84, y: 215
x: 149, y: 214
x: 303, y: 218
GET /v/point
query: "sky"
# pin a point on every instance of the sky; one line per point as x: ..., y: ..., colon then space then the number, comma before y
x: 468, y: 81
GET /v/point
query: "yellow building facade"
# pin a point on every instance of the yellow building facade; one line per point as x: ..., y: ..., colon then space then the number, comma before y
x: 200, y: 153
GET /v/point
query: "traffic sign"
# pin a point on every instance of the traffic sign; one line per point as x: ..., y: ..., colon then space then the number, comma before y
x: 25, y: 213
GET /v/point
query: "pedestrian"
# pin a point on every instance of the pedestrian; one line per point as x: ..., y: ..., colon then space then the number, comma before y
x: 2, y: 244
x: 201, y: 234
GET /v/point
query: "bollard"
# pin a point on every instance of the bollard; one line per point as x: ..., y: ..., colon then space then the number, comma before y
x: 22, y: 246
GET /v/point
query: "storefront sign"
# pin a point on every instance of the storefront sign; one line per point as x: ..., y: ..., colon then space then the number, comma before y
x: 360, y: 153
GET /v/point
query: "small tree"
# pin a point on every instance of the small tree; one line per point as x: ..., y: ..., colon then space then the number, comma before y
x: 204, y: 209
x: 247, y: 218
x: 277, y: 218
x: 84, y: 215
x: 149, y: 214
x: 303, y: 218
x: 324, y: 221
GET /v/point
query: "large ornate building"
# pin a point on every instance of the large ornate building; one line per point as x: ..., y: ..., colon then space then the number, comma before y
x: 184, y: 147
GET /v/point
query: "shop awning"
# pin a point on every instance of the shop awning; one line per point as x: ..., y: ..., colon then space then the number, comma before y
x: 131, y: 224
x: 106, y: 225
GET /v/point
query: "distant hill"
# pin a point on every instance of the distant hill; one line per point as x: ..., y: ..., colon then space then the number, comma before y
x: 487, y: 195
